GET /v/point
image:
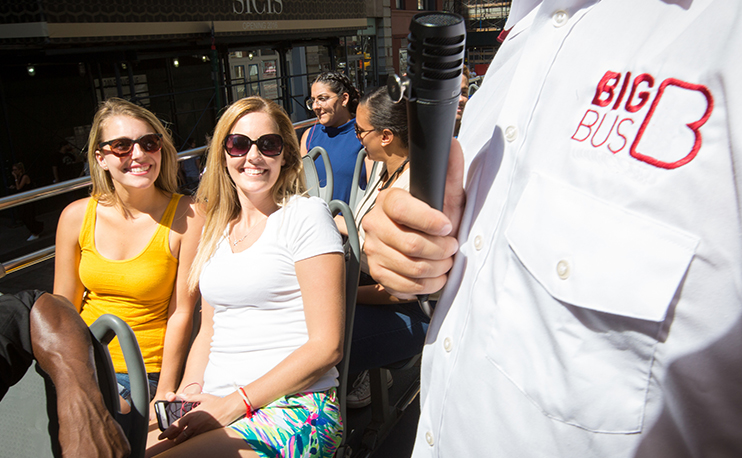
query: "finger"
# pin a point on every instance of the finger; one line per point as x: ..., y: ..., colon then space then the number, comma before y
x: 406, y: 277
x: 405, y: 210
x: 407, y: 288
x: 170, y: 396
x: 174, y: 430
x: 382, y: 232
x: 183, y: 436
x: 455, y: 196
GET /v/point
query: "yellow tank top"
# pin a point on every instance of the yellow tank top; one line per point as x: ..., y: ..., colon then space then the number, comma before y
x: 137, y: 290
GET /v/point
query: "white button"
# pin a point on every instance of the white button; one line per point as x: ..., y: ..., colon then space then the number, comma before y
x: 478, y: 242
x: 447, y: 345
x: 559, y: 18
x: 511, y: 133
x: 563, y: 269
x: 429, y: 438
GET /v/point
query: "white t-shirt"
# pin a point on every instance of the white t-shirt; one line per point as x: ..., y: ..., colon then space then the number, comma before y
x: 595, y: 306
x: 258, y: 309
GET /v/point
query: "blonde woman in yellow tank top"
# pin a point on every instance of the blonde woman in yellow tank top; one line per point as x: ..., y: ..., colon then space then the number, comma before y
x: 128, y: 248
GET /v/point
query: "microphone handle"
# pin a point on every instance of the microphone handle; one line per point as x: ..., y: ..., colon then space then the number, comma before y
x: 430, y: 128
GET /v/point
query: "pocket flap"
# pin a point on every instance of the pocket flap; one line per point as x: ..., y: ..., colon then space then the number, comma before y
x: 593, y: 254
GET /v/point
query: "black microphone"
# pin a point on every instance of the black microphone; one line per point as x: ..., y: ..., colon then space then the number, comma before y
x: 435, y: 58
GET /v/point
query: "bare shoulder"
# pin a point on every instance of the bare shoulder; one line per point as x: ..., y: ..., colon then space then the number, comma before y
x: 303, y: 143
x: 70, y: 221
x: 74, y: 213
x: 187, y: 217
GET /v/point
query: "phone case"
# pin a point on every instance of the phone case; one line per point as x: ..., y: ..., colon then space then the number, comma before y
x: 168, y: 412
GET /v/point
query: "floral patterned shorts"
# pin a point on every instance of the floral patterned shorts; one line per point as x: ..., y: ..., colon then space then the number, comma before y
x: 303, y: 425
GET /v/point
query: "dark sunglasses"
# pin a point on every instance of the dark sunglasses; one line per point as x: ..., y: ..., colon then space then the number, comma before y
x: 120, y: 147
x: 237, y: 145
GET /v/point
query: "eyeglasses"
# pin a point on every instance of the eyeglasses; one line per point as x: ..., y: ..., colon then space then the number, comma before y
x: 360, y: 132
x: 321, y: 99
x: 237, y: 145
x: 120, y: 147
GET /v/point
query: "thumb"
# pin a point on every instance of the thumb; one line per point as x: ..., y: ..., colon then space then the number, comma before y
x: 455, y: 196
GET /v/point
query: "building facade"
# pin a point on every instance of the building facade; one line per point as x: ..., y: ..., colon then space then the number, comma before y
x: 187, y: 60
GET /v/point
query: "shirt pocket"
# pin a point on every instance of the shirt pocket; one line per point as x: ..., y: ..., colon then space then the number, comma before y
x: 579, y: 313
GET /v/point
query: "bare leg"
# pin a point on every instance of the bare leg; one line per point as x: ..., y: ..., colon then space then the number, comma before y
x: 63, y: 349
x: 217, y: 442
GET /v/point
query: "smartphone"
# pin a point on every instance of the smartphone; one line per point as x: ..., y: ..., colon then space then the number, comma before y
x: 168, y: 412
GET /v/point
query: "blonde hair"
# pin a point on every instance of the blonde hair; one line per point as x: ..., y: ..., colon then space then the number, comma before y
x: 217, y: 193
x: 103, y: 190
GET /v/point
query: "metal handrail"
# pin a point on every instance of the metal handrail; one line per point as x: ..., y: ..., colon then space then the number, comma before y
x: 33, y: 195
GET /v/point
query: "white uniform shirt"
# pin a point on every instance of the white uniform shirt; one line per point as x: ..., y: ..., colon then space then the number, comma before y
x: 595, y: 306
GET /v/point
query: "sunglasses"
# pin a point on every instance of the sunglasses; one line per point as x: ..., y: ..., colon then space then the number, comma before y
x: 237, y: 145
x: 120, y: 147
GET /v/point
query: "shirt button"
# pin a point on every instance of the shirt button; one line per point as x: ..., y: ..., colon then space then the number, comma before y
x: 559, y: 18
x: 563, y: 269
x: 511, y: 133
x: 429, y: 438
x: 478, y: 244
x: 447, y: 345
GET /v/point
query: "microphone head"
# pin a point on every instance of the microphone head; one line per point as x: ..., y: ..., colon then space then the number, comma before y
x: 435, y: 55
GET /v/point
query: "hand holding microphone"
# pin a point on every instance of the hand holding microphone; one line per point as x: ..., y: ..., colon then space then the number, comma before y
x: 435, y: 58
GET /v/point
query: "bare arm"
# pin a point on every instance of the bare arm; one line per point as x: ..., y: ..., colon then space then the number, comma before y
x: 62, y: 346
x: 376, y: 295
x: 67, y: 259
x: 304, y: 139
x: 198, y: 357
x: 409, y: 245
x: 23, y: 182
x: 188, y: 224
x: 340, y: 223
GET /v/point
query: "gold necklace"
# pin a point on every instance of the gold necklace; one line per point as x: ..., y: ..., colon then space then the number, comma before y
x: 248, y: 232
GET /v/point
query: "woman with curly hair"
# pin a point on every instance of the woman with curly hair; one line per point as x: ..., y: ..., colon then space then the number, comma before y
x: 334, y: 100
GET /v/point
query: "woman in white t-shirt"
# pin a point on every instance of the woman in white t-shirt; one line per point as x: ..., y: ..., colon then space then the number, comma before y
x: 270, y: 270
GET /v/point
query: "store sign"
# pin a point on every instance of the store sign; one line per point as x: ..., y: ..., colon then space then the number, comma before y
x: 257, y: 6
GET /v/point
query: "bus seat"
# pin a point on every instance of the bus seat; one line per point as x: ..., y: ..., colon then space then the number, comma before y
x: 352, y: 274
x: 312, y: 178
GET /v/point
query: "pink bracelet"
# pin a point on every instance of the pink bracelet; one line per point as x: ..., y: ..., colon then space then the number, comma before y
x: 194, y: 383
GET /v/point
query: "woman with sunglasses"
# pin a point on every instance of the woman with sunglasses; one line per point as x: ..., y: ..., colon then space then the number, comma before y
x: 334, y: 100
x: 270, y: 269
x: 128, y: 248
x: 385, y: 329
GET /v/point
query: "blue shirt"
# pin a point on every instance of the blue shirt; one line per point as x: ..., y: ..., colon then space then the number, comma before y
x: 342, y: 147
